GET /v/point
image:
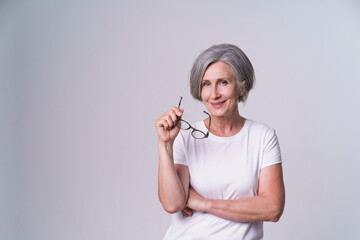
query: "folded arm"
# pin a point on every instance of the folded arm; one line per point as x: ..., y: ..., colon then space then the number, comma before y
x: 267, y: 206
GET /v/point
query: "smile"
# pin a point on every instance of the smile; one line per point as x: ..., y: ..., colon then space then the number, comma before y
x: 218, y: 104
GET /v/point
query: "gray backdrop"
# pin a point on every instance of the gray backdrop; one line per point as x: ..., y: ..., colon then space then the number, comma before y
x: 82, y: 83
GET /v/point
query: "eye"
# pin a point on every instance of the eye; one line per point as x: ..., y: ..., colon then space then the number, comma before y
x: 206, y: 84
x: 223, y: 82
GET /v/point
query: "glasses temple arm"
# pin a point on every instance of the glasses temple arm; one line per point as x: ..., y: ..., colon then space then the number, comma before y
x: 180, y: 102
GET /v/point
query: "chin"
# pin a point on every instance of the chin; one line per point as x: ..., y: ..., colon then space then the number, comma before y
x: 218, y: 113
x: 222, y: 112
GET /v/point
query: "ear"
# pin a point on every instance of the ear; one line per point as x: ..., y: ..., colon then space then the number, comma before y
x: 242, y: 89
x: 240, y: 95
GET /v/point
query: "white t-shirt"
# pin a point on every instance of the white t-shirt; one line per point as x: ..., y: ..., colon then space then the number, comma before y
x: 223, y: 168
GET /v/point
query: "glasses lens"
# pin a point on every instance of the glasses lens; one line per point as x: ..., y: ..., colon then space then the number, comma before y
x: 184, y: 125
x: 198, y: 134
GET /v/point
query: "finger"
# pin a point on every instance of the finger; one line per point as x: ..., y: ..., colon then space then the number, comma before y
x: 178, y: 124
x: 187, y: 211
x: 165, y: 124
x: 178, y: 112
x: 161, y: 120
x: 183, y: 213
x: 173, y: 115
x: 169, y: 121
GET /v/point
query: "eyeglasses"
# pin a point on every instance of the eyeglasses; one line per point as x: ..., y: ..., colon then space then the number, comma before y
x: 196, y: 133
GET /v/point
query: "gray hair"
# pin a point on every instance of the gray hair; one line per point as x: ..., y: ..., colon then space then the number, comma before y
x: 227, y: 53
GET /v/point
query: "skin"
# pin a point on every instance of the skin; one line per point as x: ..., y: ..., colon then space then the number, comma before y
x: 173, y: 179
x: 219, y: 93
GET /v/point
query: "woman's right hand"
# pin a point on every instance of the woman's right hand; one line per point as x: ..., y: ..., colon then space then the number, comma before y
x: 166, y: 125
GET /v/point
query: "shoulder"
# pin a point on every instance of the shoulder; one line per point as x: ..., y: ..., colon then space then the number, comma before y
x: 259, y: 128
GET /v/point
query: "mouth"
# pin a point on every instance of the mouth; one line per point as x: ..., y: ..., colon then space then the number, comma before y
x: 218, y: 104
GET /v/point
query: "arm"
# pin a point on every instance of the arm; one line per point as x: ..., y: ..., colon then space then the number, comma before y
x: 173, y: 179
x: 267, y: 206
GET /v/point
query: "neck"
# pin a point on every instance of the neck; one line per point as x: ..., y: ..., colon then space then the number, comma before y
x: 226, y: 126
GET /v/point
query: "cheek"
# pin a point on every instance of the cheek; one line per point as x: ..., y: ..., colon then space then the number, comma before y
x: 204, y: 94
x: 233, y: 93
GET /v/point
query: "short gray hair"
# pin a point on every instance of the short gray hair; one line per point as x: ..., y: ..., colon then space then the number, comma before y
x: 227, y: 53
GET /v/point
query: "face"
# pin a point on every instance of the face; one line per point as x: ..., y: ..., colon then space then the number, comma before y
x: 219, y: 90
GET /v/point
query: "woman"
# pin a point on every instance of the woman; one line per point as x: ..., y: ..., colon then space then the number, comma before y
x: 226, y: 184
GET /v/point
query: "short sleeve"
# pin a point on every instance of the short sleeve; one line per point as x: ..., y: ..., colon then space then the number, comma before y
x: 179, y: 150
x: 271, y: 154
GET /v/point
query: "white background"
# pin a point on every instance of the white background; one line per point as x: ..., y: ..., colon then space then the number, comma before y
x: 82, y: 83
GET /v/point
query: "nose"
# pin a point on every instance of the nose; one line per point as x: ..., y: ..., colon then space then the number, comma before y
x: 215, y: 93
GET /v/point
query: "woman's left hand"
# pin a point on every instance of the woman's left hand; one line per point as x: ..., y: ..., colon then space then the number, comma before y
x: 196, y: 201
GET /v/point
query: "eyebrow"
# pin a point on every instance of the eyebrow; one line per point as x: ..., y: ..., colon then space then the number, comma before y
x: 219, y: 79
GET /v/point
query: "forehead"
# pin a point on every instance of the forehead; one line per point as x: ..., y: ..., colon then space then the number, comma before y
x: 218, y: 70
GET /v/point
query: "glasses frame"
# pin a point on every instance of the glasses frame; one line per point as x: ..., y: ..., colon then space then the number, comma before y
x: 206, y: 135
